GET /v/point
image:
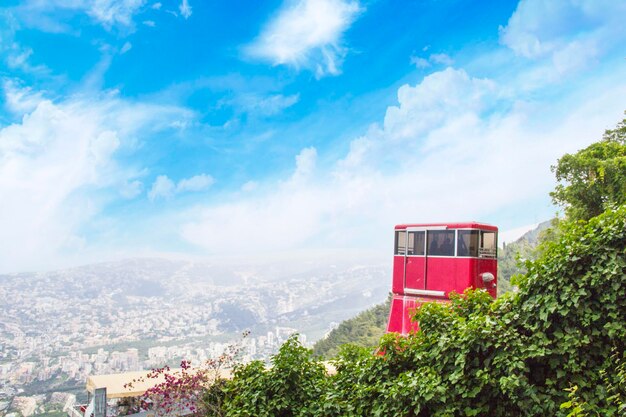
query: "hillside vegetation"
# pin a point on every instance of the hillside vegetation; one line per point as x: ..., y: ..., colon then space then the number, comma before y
x: 364, y: 330
x: 516, y: 356
x: 512, y: 255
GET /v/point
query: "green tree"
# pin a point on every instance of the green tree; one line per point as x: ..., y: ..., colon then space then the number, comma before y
x: 594, y: 178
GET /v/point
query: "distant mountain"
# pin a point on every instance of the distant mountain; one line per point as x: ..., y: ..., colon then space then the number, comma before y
x: 522, y: 248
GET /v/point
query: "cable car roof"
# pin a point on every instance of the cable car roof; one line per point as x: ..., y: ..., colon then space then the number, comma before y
x: 452, y: 225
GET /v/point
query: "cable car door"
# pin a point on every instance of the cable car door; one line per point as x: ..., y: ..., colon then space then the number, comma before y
x: 415, y: 260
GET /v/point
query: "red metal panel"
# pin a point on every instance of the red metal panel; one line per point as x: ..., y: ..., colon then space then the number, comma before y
x: 415, y: 271
x: 441, y: 274
x: 397, y: 285
x: 394, y: 324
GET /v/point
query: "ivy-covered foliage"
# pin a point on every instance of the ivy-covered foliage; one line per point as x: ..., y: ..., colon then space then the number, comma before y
x: 559, y: 341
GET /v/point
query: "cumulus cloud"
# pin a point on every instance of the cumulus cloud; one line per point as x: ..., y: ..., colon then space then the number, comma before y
x: 284, y: 218
x: 307, y: 34
x: 164, y: 187
x: 53, y: 163
x: 196, y: 183
x: 441, y: 154
x: 440, y: 97
x: 131, y: 189
x: 570, y: 32
x: 305, y: 165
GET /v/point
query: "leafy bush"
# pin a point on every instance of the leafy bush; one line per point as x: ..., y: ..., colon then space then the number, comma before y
x: 516, y: 356
x: 288, y: 388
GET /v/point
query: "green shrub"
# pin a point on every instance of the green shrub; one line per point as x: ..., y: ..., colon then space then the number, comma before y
x: 286, y: 389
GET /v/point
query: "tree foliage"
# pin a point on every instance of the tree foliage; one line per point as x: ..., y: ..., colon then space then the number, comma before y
x: 516, y: 356
x: 594, y: 178
x: 289, y: 388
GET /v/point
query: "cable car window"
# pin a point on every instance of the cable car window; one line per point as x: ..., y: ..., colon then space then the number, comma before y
x: 400, y: 248
x: 467, y: 243
x: 488, y: 245
x: 441, y: 242
x: 416, y: 243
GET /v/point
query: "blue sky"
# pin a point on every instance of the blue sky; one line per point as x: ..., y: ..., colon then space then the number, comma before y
x: 212, y: 129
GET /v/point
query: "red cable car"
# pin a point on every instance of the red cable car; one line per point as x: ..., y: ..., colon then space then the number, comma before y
x: 432, y: 260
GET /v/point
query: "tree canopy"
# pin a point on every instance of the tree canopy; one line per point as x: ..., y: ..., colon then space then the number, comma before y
x: 594, y: 178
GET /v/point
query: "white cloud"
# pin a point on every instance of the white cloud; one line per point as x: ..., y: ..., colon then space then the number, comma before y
x: 114, y: 12
x: 307, y: 33
x: 440, y: 155
x: 131, y: 189
x: 196, y: 183
x: 185, y: 9
x: 164, y: 187
x: 58, y: 169
x: 109, y: 13
x: 420, y: 62
x: 287, y: 216
x: 264, y: 105
x: 20, y: 100
x: 441, y: 96
x: 572, y: 33
x: 14, y: 55
x: 157, y: 6
x: 149, y: 23
x: 249, y: 186
x: 442, y: 59
x: 126, y: 47
x: 437, y: 59
x: 305, y: 165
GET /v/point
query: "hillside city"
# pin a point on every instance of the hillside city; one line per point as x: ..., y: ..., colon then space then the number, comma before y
x: 58, y: 328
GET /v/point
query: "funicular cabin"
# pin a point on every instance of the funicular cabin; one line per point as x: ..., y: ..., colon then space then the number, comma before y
x: 432, y: 260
